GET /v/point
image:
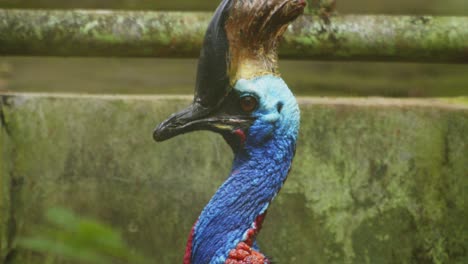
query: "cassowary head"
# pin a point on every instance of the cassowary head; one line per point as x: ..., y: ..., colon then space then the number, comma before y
x: 239, y: 93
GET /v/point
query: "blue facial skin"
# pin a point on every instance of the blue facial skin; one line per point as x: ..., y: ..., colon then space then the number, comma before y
x: 259, y: 170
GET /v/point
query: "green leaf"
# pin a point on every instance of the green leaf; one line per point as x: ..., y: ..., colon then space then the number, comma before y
x: 80, y: 239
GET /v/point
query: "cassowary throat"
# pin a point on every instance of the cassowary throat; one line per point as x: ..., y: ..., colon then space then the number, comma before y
x: 240, y: 95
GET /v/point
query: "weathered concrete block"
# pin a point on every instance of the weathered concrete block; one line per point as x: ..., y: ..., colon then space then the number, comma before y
x: 374, y: 180
x: 4, y: 187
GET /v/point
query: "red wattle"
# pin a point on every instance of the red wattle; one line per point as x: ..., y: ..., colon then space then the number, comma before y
x: 243, y: 253
x: 188, y: 248
x: 242, y: 137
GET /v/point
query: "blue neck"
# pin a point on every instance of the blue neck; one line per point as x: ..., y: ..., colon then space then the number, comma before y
x: 256, y: 178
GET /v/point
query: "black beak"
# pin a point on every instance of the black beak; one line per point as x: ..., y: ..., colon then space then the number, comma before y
x: 196, y: 117
x: 181, y: 122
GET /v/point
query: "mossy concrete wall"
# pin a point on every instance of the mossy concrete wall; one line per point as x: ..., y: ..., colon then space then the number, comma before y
x: 374, y: 180
x: 4, y: 187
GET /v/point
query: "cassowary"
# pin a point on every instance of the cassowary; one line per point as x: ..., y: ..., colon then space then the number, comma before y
x: 240, y: 95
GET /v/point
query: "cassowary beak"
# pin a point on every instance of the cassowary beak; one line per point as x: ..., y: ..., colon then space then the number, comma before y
x: 181, y: 122
x: 197, y: 117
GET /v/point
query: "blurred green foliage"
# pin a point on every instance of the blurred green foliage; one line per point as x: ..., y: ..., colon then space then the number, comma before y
x: 80, y: 240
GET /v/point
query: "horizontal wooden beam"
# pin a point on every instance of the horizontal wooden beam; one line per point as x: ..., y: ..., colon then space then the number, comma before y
x: 180, y: 34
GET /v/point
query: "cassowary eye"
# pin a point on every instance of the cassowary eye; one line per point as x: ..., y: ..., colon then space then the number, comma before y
x: 248, y: 103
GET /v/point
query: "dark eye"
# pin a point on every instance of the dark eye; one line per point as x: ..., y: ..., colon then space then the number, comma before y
x: 248, y: 103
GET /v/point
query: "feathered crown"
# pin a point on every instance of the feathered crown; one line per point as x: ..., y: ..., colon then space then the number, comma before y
x: 241, y: 42
x: 254, y: 29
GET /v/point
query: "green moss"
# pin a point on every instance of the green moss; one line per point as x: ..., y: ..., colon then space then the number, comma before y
x: 163, y: 34
x: 408, y: 38
x: 101, y: 33
x: 374, y: 180
x: 362, y: 163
